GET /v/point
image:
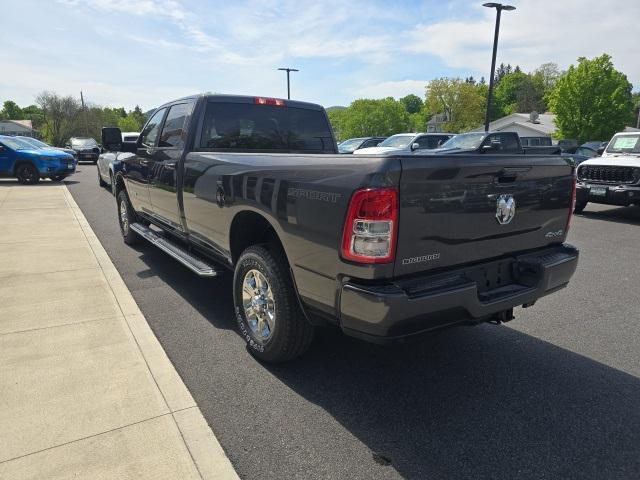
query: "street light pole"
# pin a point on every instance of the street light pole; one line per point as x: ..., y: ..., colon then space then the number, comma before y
x: 288, y: 70
x: 499, y: 7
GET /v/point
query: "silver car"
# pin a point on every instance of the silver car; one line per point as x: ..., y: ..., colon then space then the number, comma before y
x: 110, y: 162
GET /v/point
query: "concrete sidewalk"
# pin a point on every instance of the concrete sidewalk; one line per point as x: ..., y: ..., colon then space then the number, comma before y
x: 86, y: 390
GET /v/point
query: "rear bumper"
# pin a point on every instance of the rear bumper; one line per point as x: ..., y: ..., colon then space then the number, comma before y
x: 56, y: 169
x: 395, y: 310
x: 616, y: 194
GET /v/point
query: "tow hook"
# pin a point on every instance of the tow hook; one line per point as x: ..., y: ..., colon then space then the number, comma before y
x: 502, y: 317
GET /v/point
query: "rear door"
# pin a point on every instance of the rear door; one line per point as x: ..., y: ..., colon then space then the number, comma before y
x: 461, y: 209
x: 165, y: 163
x: 138, y: 165
x: 6, y: 159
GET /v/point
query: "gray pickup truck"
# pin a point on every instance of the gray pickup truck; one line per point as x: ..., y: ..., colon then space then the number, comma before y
x: 384, y: 247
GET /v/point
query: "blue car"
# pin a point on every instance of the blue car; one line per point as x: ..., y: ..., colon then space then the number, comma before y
x: 29, y: 164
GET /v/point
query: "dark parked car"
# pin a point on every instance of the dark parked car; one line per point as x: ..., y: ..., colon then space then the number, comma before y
x: 353, y: 144
x: 86, y: 148
x: 497, y: 143
x: 313, y: 238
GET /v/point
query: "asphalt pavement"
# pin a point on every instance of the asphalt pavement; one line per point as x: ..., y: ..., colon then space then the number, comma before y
x: 553, y: 394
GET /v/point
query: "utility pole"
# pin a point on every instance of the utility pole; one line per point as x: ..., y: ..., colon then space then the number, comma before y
x: 499, y: 7
x: 288, y: 70
x: 84, y: 113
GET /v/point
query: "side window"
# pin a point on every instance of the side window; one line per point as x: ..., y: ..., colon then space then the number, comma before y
x: 173, y: 132
x: 371, y: 143
x: 424, y: 142
x: 150, y: 132
x: 508, y: 144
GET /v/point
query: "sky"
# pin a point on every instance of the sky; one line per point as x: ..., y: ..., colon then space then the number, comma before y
x: 147, y: 52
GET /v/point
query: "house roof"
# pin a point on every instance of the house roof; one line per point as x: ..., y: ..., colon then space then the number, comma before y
x: 545, y: 123
x: 23, y: 123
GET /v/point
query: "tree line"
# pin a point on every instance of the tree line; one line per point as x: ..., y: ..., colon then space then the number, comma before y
x: 592, y: 101
x: 57, y: 117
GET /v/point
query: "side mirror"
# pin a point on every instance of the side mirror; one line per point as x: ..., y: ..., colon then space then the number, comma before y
x: 415, y: 146
x: 112, y: 139
x: 67, y: 145
x: 600, y: 151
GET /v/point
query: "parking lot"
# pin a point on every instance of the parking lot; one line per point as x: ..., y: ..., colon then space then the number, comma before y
x: 553, y: 394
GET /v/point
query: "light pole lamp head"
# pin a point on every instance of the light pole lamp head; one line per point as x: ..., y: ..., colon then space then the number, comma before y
x: 499, y: 6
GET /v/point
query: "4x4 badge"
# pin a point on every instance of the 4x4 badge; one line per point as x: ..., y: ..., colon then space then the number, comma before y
x: 505, y: 209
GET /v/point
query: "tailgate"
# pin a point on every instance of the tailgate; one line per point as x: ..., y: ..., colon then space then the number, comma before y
x: 459, y: 209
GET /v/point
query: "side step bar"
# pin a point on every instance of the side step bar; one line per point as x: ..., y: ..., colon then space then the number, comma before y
x: 180, y: 254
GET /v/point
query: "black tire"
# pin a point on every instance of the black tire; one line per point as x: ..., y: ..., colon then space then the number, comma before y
x: 27, y: 174
x: 57, y: 178
x: 101, y: 182
x: 113, y: 184
x: 579, y: 207
x: 292, y: 334
x: 129, y: 236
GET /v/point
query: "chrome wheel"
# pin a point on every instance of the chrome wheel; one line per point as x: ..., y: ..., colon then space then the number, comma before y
x: 124, y: 217
x: 259, y: 306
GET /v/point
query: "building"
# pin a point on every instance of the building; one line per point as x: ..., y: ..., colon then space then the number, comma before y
x: 17, y: 127
x: 525, y: 124
x: 436, y: 122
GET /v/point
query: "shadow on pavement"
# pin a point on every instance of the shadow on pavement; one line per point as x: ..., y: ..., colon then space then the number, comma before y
x: 629, y: 215
x: 483, y: 402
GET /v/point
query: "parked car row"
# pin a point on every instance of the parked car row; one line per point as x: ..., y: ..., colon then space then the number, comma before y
x: 109, y: 164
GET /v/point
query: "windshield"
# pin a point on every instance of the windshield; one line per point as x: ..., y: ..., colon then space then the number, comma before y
x: 350, y: 145
x: 397, y: 141
x: 465, y: 141
x: 34, y: 142
x: 624, y: 144
x: 16, y: 144
x: 84, y: 142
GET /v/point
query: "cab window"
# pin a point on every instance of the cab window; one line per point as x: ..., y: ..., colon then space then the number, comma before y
x: 150, y: 133
x: 173, y: 132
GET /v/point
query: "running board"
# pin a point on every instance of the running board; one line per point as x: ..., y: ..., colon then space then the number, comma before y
x: 178, y: 253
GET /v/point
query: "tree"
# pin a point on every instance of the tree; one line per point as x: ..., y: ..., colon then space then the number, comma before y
x: 60, y: 116
x: 547, y: 75
x: 520, y: 92
x: 462, y: 103
x: 11, y: 111
x: 592, y: 100
x: 412, y: 103
x: 129, y: 124
x: 370, y: 118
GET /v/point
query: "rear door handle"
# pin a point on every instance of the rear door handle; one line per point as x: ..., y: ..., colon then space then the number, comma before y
x: 170, y: 165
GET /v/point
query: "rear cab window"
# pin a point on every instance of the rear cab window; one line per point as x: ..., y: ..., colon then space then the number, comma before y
x: 248, y: 127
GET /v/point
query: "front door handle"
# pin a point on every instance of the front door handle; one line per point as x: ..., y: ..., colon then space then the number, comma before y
x: 145, y: 162
x: 170, y: 165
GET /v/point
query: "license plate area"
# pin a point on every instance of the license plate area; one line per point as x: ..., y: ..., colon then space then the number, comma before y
x: 491, y: 276
x: 598, y: 191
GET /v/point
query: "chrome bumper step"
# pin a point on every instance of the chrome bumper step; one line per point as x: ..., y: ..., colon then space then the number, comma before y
x: 194, y: 264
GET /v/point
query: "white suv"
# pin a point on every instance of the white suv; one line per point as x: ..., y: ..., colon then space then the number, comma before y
x: 613, y: 178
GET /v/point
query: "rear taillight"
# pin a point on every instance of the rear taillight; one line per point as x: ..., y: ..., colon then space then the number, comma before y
x: 371, y: 226
x: 269, y: 101
x: 572, y: 204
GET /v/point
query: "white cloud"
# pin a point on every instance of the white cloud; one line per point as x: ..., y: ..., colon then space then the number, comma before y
x: 537, y: 32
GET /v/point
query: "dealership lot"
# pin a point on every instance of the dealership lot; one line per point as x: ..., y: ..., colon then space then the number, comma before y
x: 553, y: 394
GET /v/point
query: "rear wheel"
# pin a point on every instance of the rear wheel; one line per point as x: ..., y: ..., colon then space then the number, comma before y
x: 113, y: 184
x: 267, y: 310
x: 27, y: 174
x: 126, y: 216
x: 57, y: 178
x: 579, y: 207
